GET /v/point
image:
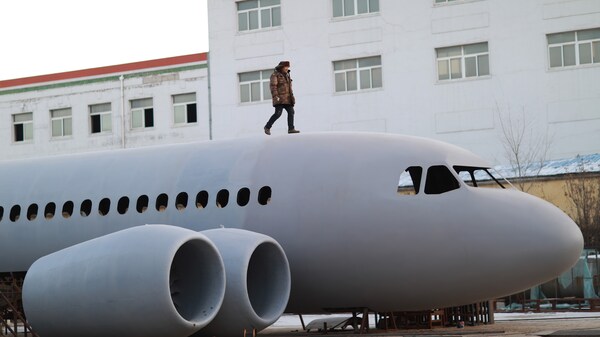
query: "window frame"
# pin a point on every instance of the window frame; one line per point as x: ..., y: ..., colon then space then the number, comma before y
x: 576, y: 43
x: 463, y: 62
x: 105, y: 118
x: 62, y: 120
x: 263, y: 82
x: 355, y: 13
x: 186, y: 105
x: 26, y: 127
x: 446, y: 2
x: 144, y: 110
x: 259, y: 9
x: 358, y: 69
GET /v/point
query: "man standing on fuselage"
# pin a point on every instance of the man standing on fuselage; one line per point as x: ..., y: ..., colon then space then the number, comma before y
x: 283, y: 96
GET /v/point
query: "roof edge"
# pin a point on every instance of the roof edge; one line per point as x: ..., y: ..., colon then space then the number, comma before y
x: 68, y: 75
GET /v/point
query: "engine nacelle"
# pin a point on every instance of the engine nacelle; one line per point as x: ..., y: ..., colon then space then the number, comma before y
x: 153, y: 280
x: 258, y: 282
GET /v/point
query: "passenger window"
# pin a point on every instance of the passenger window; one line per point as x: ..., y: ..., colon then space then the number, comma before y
x: 161, y: 202
x: 410, y: 181
x: 123, y: 205
x: 86, y: 208
x: 67, y: 209
x: 15, y: 213
x: 104, y: 206
x: 142, y: 204
x: 181, y: 201
x: 440, y: 180
x: 202, y: 199
x: 264, y: 195
x: 50, y: 210
x: 32, y: 212
x: 222, y: 198
x: 243, y: 196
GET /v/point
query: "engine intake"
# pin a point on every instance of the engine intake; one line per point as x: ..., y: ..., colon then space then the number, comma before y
x: 258, y: 282
x: 153, y: 280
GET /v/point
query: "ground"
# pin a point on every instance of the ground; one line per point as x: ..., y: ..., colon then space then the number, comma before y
x: 513, y: 325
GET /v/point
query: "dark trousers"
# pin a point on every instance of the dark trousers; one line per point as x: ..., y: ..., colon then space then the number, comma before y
x: 278, y: 109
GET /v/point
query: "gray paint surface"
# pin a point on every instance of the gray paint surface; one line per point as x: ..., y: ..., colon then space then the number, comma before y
x: 351, y: 240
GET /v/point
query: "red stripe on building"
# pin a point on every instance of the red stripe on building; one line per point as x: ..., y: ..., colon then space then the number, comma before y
x: 164, y: 62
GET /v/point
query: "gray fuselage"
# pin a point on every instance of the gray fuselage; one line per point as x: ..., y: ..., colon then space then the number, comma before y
x: 330, y: 200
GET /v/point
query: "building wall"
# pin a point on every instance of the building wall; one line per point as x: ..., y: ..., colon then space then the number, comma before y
x: 79, y: 93
x: 558, y: 106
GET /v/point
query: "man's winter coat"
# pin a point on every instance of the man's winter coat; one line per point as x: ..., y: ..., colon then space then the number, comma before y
x: 281, y: 88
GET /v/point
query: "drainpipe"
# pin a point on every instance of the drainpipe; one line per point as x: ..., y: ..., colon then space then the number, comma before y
x: 210, y: 135
x: 122, y: 79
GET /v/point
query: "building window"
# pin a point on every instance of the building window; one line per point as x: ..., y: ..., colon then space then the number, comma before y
x: 257, y: 14
x: 574, y: 48
x: 100, y: 118
x: 184, y: 109
x: 23, y: 126
x: 358, y: 74
x: 354, y: 7
x: 61, y: 122
x: 142, y: 113
x: 472, y: 60
x: 254, y: 86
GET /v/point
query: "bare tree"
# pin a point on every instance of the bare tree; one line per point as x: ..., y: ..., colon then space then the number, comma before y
x: 525, y: 149
x: 583, y: 189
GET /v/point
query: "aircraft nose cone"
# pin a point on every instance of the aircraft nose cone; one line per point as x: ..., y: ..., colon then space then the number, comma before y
x: 555, y: 241
x: 563, y: 237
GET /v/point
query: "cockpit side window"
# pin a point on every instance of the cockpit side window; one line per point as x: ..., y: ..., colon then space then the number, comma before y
x: 468, y: 177
x: 475, y: 176
x: 410, y: 181
x: 440, y: 180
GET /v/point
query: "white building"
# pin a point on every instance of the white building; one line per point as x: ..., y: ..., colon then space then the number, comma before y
x: 454, y: 70
x: 461, y: 71
x: 129, y: 105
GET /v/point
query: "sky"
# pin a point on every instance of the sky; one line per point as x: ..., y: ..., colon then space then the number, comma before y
x: 48, y: 36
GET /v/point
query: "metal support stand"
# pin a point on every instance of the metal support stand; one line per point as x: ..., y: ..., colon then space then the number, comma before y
x: 11, y: 305
x: 302, y: 322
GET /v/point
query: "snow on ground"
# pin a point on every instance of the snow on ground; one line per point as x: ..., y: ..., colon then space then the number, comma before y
x: 293, y: 321
x: 512, y: 316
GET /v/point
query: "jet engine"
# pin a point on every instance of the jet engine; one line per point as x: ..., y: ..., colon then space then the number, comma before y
x: 152, y: 280
x: 258, y: 282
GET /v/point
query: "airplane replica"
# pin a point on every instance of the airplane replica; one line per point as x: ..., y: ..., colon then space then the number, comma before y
x: 214, y: 238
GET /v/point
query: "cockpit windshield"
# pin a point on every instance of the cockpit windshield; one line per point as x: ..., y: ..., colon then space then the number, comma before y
x: 479, y: 176
x: 439, y: 179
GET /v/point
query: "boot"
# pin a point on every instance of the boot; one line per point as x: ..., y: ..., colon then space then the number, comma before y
x: 293, y: 131
x: 267, y: 131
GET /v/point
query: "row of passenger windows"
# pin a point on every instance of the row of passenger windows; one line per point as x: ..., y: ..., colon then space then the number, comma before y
x: 141, y: 204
